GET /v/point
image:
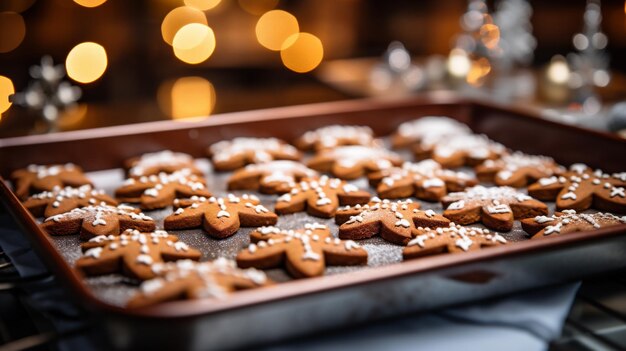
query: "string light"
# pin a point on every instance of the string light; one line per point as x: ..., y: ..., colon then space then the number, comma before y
x: 187, y: 98
x: 6, y: 90
x: 194, y: 43
x: 86, y: 62
x: 90, y: 3
x: 274, y: 27
x: 12, y: 29
x: 178, y: 18
x: 302, y: 52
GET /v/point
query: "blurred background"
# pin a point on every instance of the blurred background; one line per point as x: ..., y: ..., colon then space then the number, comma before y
x: 78, y: 64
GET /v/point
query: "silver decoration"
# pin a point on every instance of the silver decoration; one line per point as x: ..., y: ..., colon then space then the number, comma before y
x: 517, y: 43
x: 47, y: 93
x: 396, y: 73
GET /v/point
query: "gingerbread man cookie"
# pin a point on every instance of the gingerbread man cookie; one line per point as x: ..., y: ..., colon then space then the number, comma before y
x: 425, y: 180
x: 132, y: 253
x: 320, y: 197
x: 335, y: 135
x: 92, y: 221
x: 569, y: 221
x: 189, y: 280
x: 275, y: 177
x: 459, y: 150
x: 35, y: 179
x: 61, y: 200
x: 428, y: 130
x: 517, y: 170
x: 160, y: 162
x: 220, y: 217
x: 451, y: 239
x: 304, y: 252
x: 581, y: 188
x: 159, y: 191
x: 495, y: 207
x: 396, y: 222
x: 229, y: 155
x: 351, y: 162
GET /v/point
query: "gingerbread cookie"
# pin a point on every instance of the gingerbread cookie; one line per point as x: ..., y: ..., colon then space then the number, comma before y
x: 459, y: 150
x: 517, y: 170
x: 569, y: 221
x: 425, y: 180
x: 159, y: 191
x: 160, y: 162
x: 132, y: 253
x: 220, y: 217
x: 452, y: 239
x: 304, y: 252
x: 61, y: 200
x: 92, y: 221
x: 229, y: 155
x: 581, y: 188
x: 495, y: 207
x: 351, y: 162
x: 395, y: 222
x: 335, y: 135
x: 275, y: 177
x: 35, y: 179
x: 428, y: 130
x: 189, y: 280
x: 320, y: 197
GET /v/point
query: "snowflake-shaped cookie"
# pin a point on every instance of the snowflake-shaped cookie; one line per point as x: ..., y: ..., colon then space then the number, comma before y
x: 427, y: 130
x: 517, y: 169
x: 335, y: 135
x: 160, y: 162
x: 61, y: 200
x: 232, y: 154
x: 35, y: 178
x: 275, y: 177
x: 569, y: 221
x: 351, y: 162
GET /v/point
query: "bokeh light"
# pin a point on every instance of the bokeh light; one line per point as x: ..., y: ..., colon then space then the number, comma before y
x: 458, y: 63
x: 479, y: 69
x: 194, y: 43
x: 490, y: 35
x: 187, y: 98
x: 302, y: 52
x: 12, y: 30
x: 6, y: 90
x: 71, y: 117
x: 558, y: 70
x: 257, y: 7
x: 178, y: 18
x: 90, y: 3
x: 86, y: 62
x: 274, y: 27
x: 202, y: 5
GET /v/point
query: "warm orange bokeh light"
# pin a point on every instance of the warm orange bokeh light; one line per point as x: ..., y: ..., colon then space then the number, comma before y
x: 490, y: 35
x: 302, y: 52
x: 12, y: 31
x: 274, y: 27
x: 90, y: 3
x: 178, y: 18
x: 202, y: 5
x: 6, y: 90
x: 257, y: 7
x: 187, y: 98
x: 194, y: 43
x: 86, y: 62
x: 478, y: 71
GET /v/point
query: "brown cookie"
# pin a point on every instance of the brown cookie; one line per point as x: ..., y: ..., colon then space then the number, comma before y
x: 517, y: 170
x: 459, y: 150
x: 320, y: 197
x: 452, y: 239
x: 159, y: 191
x: 92, y: 221
x: 160, y: 162
x: 335, y: 135
x: 427, y: 130
x: 189, y: 280
x: 132, y: 253
x: 304, y: 252
x: 495, y: 207
x: 220, y: 217
x: 351, y: 162
x: 396, y: 222
x: 229, y: 155
x: 425, y: 180
x: 581, y: 188
x: 35, y: 179
x: 61, y: 200
x: 275, y: 177
x: 569, y: 221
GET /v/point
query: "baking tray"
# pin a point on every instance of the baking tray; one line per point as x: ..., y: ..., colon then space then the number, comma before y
x: 304, y: 306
